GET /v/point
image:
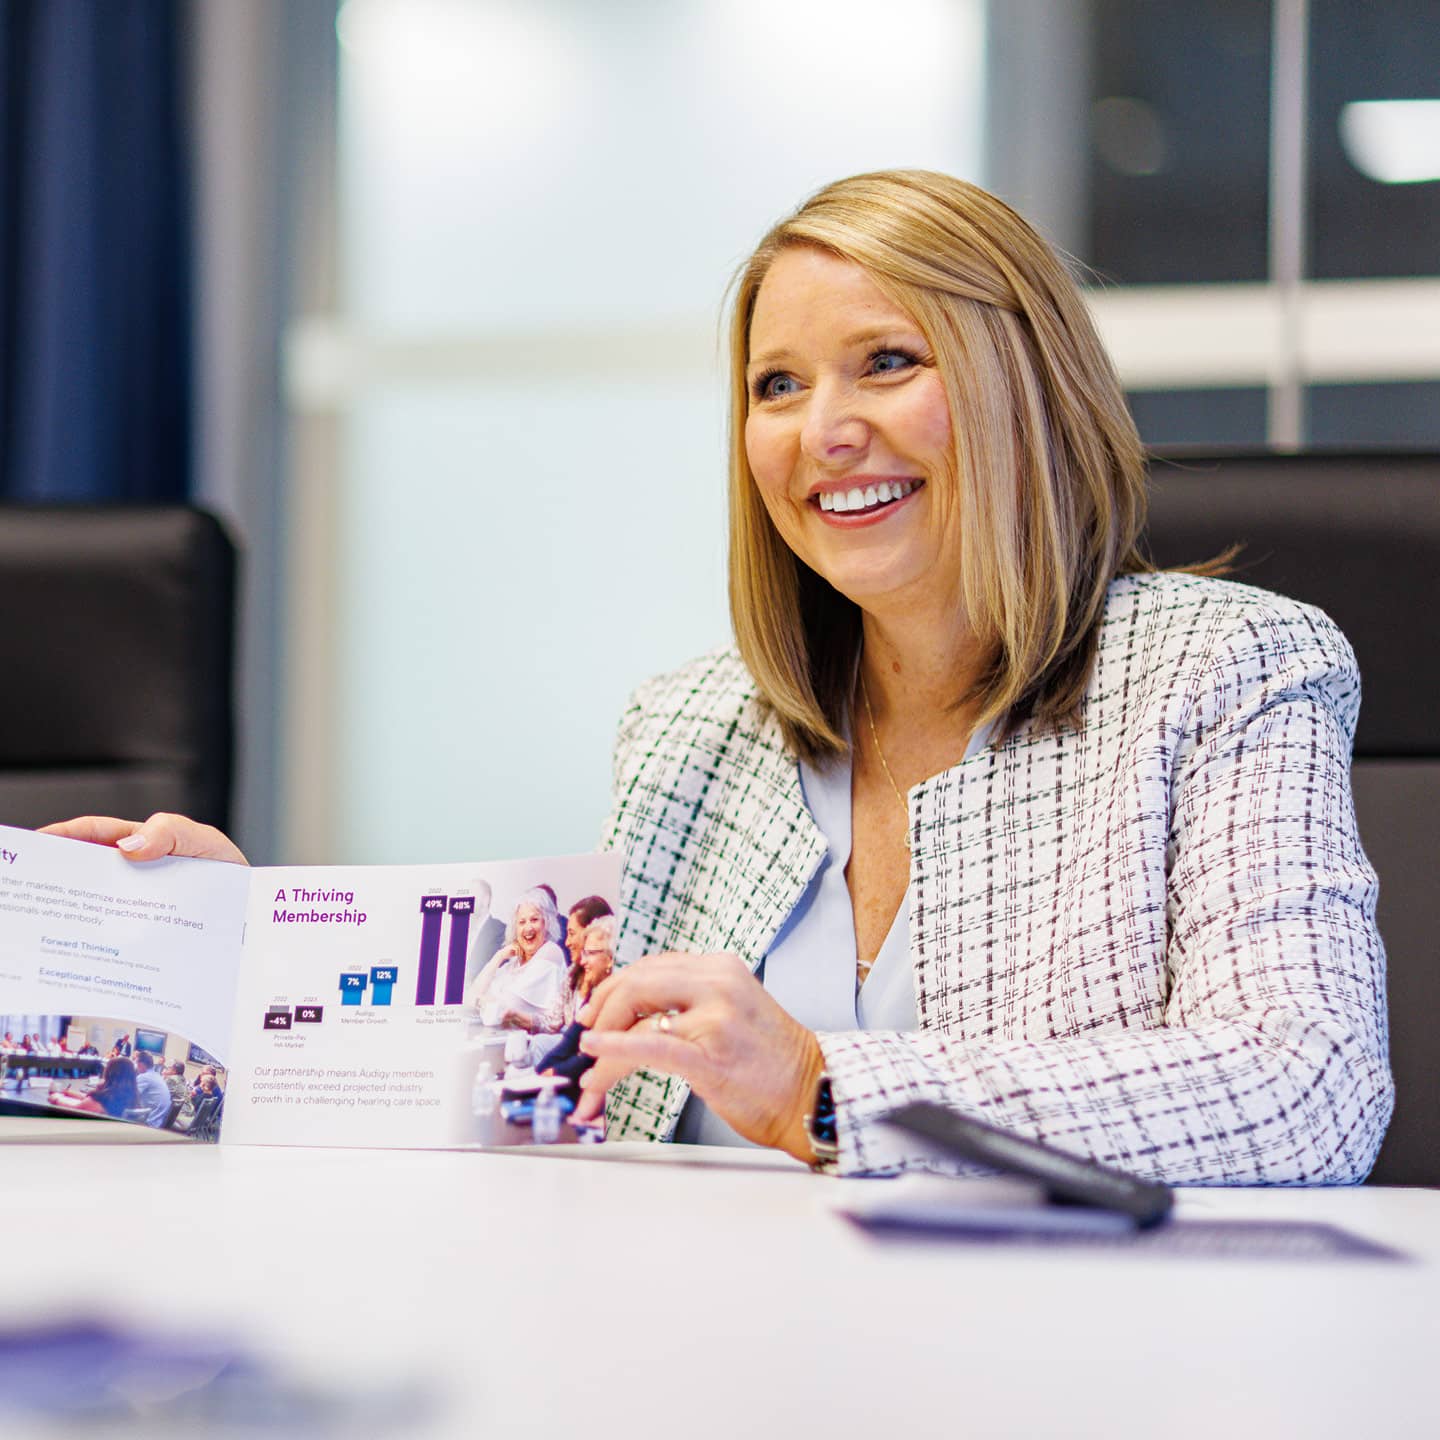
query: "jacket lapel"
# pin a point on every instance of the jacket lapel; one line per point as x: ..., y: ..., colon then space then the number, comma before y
x: 776, y: 848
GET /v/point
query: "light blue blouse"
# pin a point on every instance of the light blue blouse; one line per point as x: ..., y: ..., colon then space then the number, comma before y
x: 811, y: 966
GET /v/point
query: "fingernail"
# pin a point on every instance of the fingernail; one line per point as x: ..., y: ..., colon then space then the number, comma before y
x: 131, y: 842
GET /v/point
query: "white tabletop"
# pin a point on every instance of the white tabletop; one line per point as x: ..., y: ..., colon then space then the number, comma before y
x: 583, y: 1297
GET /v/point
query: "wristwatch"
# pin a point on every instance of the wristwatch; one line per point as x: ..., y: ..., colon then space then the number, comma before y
x: 820, y: 1126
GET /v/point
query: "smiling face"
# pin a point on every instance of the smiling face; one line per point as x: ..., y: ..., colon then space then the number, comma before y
x: 848, y: 431
x: 598, y: 959
x: 529, y: 929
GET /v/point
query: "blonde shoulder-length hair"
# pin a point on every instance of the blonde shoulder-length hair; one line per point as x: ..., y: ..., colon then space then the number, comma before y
x: 1048, y: 469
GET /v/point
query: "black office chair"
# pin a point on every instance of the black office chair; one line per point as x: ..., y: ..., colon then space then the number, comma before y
x: 204, y: 1122
x: 1359, y: 536
x: 116, y: 651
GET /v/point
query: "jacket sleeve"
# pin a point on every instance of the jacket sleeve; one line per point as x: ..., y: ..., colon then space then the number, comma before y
x: 1270, y: 1066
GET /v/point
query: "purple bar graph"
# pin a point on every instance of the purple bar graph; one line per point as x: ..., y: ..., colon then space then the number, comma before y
x: 462, y: 907
x: 432, y: 912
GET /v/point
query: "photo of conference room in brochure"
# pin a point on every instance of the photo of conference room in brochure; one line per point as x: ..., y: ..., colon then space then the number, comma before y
x: 102, y: 1068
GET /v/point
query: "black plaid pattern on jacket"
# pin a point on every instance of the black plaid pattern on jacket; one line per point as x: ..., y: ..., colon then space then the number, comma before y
x: 1150, y: 941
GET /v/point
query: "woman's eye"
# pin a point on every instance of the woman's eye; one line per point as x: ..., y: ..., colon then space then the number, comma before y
x: 774, y: 386
x: 887, y: 362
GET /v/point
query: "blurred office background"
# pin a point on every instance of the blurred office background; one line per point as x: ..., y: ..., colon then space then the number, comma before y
x: 422, y: 297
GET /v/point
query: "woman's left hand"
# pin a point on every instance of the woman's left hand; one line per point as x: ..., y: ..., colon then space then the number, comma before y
x: 708, y: 1020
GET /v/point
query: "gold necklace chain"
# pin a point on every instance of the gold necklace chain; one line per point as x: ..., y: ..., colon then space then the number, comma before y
x: 884, y: 763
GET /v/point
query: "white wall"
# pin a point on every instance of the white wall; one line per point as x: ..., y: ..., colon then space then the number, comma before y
x: 541, y: 205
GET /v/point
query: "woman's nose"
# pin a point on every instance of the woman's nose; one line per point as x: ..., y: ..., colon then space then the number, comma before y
x: 833, y: 428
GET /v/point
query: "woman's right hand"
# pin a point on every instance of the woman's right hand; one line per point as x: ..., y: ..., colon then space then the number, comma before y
x: 150, y: 839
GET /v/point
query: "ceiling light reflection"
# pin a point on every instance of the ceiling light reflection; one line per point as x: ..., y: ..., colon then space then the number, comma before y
x: 1396, y: 142
x: 458, y: 71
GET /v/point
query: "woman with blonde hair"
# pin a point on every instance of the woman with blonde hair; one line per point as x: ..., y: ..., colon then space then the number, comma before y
x: 594, y: 963
x: 978, y: 809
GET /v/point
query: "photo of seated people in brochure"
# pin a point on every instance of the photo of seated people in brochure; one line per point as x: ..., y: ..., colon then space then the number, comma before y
x: 97, y: 1066
x: 524, y: 1030
x: 410, y: 1006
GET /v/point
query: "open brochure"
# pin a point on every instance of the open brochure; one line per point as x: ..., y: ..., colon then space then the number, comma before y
x: 391, y: 1006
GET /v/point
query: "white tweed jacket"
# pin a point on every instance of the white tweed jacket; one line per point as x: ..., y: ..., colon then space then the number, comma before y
x: 1150, y: 940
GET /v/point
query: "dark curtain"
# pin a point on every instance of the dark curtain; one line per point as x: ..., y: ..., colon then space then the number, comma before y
x: 94, y: 263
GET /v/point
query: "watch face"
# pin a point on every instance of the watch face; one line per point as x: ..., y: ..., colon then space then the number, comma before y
x: 822, y: 1122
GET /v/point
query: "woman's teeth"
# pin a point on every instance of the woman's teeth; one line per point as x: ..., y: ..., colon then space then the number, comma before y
x: 869, y: 497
